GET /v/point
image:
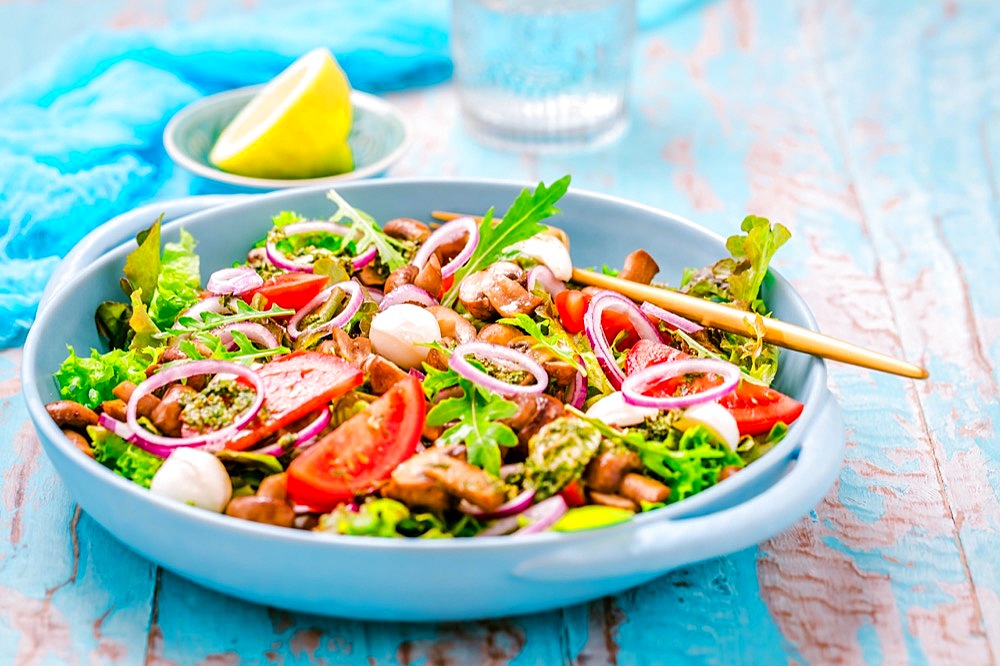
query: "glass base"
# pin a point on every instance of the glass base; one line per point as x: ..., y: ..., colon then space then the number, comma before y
x: 518, y: 139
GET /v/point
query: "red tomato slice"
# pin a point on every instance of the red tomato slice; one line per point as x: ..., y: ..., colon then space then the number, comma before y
x: 571, y: 306
x: 756, y: 408
x: 362, y: 452
x: 295, y: 386
x: 572, y: 493
x: 289, y: 290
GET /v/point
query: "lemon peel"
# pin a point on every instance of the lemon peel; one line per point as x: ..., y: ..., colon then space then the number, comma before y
x: 295, y: 127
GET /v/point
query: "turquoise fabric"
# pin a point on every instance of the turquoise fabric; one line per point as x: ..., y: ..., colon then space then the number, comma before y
x: 80, y: 136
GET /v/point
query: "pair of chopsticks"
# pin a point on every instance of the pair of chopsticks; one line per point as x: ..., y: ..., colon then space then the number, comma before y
x: 717, y: 315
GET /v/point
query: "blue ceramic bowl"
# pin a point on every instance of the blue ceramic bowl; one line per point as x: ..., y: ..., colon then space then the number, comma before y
x: 453, y: 579
x: 379, y: 137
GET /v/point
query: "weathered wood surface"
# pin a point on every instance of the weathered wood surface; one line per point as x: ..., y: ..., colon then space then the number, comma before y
x: 872, y: 130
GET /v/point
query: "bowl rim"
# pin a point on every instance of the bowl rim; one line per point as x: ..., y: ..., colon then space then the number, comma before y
x: 359, y: 100
x: 815, y: 397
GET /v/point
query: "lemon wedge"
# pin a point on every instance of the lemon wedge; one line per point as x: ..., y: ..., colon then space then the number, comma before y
x: 295, y: 127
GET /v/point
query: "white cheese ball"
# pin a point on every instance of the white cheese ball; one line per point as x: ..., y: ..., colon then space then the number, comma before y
x: 719, y: 421
x: 400, y: 332
x: 194, y: 477
x: 550, y: 251
x: 614, y: 411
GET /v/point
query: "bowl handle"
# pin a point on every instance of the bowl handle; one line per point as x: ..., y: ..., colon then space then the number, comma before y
x: 659, y: 546
x: 122, y: 228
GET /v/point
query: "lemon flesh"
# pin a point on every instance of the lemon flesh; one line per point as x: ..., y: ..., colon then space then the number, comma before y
x: 295, y: 127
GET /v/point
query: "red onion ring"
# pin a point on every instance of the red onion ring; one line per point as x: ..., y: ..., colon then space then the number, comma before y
x: 233, y: 281
x: 611, y: 300
x: 315, y: 427
x: 256, y: 332
x: 353, y: 290
x: 504, y: 356
x: 447, y: 233
x: 508, y: 508
x: 670, y: 319
x: 578, y: 395
x: 634, y: 387
x: 120, y: 428
x: 162, y: 446
x: 407, y: 293
x: 365, y: 258
x: 210, y: 304
x: 543, y: 275
x: 375, y: 294
x: 543, y: 515
x: 278, y: 258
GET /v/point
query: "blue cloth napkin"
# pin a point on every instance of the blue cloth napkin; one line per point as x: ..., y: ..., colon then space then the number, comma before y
x: 80, y: 136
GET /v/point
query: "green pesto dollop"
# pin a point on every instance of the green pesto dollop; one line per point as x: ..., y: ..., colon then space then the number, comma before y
x: 558, y: 453
x: 216, y: 406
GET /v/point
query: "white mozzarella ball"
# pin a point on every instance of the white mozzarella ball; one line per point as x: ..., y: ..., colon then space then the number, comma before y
x: 613, y: 410
x: 719, y: 421
x: 400, y: 332
x: 194, y: 477
x: 549, y: 250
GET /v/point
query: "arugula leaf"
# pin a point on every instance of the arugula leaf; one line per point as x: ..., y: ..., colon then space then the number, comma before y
x: 90, y: 380
x: 556, y: 342
x: 520, y: 222
x: 365, y: 232
x: 476, y: 415
x: 211, y: 320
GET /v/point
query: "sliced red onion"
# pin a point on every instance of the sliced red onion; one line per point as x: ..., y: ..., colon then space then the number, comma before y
x: 275, y: 450
x: 510, y: 469
x: 543, y: 275
x: 365, y: 258
x: 578, y: 395
x: 504, y: 356
x: 210, y: 304
x: 233, y: 281
x: 315, y: 427
x: 417, y: 373
x: 162, y: 446
x: 670, y: 319
x: 447, y: 233
x: 255, y: 331
x: 407, y: 293
x: 635, y: 386
x: 375, y: 294
x: 509, y: 508
x: 278, y: 258
x: 120, y: 428
x: 611, y: 300
x: 500, y: 527
x: 353, y: 290
x: 543, y: 515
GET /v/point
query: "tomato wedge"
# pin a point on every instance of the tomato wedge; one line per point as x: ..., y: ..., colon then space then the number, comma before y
x: 295, y: 386
x: 571, y: 306
x: 756, y: 408
x: 362, y: 452
x: 289, y: 290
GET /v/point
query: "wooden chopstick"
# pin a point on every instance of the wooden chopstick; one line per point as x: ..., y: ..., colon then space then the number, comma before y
x: 780, y: 333
x: 717, y: 315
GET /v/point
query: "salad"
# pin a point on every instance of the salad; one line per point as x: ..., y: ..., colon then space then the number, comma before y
x: 401, y: 378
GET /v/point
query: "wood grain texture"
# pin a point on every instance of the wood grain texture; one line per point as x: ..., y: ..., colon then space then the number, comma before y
x: 872, y: 130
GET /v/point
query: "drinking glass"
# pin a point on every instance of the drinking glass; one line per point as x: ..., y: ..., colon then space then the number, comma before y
x: 543, y: 75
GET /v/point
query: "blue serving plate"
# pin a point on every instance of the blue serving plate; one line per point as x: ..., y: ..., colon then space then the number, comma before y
x: 430, y: 580
x: 379, y: 137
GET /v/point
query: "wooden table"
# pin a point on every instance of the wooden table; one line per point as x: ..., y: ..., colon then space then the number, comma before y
x: 872, y: 130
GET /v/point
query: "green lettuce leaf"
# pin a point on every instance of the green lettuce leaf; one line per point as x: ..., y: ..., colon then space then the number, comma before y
x: 124, y: 458
x: 178, y: 285
x: 90, y: 380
